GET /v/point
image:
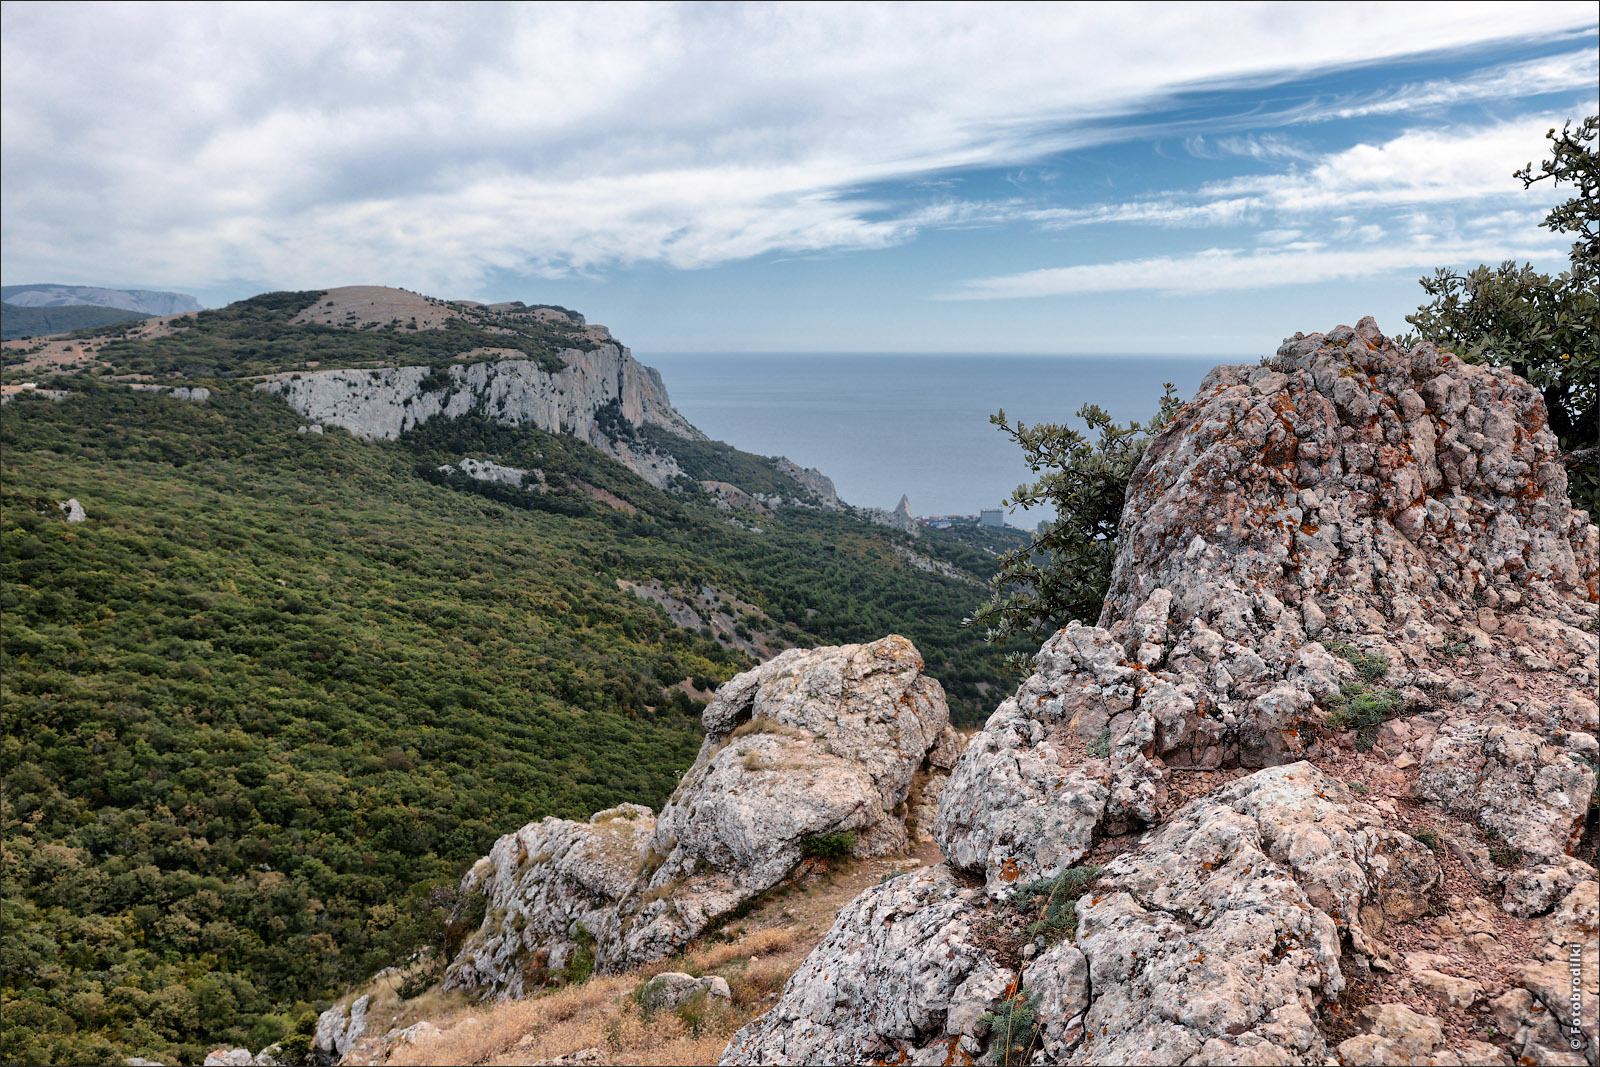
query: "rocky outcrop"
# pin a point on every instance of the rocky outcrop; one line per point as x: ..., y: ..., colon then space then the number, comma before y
x: 1267, y: 515
x: 198, y: 393
x: 72, y: 510
x: 815, y: 741
x: 1347, y: 534
x: 1223, y: 932
x: 483, y: 470
x: 899, y: 519
x: 813, y: 481
x: 1213, y: 942
x: 901, y: 978
x: 338, y: 1029
x: 546, y: 890
x: 815, y: 750
x: 383, y: 404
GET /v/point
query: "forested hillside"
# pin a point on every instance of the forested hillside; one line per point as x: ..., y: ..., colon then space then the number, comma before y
x: 267, y: 702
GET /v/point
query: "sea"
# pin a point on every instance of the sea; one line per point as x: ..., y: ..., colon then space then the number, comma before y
x: 883, y: 426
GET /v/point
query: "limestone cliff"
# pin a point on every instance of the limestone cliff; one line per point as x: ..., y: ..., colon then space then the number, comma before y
x: 384, y: 403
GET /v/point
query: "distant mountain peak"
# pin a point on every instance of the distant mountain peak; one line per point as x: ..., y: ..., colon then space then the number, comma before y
x: 147, y: 301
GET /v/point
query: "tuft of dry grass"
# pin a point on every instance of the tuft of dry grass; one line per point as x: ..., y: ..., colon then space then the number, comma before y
x: 763, y: 725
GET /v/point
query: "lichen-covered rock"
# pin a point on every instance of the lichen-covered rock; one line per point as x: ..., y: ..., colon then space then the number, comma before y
x: 1513, y: 783
x: 1222, y: 932
x: 819, y: 741
x: 1347, y: 491
x: 815, y: 742
x: 547, y: 891
x: 1216, y: 941
x: 1015, y: 807
x: 1397, y: 1035
x: 671, y: 989
x: 1380, y: 483
x: 901, y: 977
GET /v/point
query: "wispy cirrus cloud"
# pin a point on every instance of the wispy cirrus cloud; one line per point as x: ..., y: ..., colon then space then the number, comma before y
x: 1423, y: 198
x: 1221, y: 269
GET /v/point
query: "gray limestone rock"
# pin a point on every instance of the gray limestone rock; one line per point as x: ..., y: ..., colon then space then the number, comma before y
x: 72, y: 510
x: 338, y: 1028
x: 229, y: 1057
x: 813, y: 481
x: 548, y: 891
x: 382, y: 404
x: 671, y: 989
x: 815, y: 741
x: 1215, y: 941
x: 1512, y: 782
x: 901, y: 977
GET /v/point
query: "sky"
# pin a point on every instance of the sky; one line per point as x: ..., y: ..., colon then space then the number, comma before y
x: 1111, y: 178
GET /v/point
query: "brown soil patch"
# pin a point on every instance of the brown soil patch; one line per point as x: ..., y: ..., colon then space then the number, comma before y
x: 356, y: 306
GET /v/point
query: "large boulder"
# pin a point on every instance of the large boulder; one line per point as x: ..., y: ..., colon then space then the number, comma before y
x: 815, y: 742
x: 816, y: 749
x: 546, y: 891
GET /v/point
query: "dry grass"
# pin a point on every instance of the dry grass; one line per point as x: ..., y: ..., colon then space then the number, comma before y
x: 756, y: 955
x: 763, y: 725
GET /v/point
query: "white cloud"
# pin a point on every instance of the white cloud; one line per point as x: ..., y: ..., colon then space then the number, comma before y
x: 1223, y: 269
x: 431, y: 144
x: 1429, y: 166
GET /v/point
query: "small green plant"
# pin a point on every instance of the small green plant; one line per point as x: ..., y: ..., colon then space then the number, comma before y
x: 1356, y: 706
x: 580, y: 965
x: 295, y: 1046
x: 1505, y: 856
x: 1357, y: 787
x: 1055, y: 901
x: 1016, y: 1029
x: 692, y: 1012
x: 1100, y: 747
x: 1369, y: 665
x: 1455, y: 649
x: 1428, y: 837
x: 833, y: 845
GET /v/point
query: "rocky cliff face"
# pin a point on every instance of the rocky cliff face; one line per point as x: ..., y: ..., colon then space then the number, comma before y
x: 383, y: 404
x: 1356, y: 567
